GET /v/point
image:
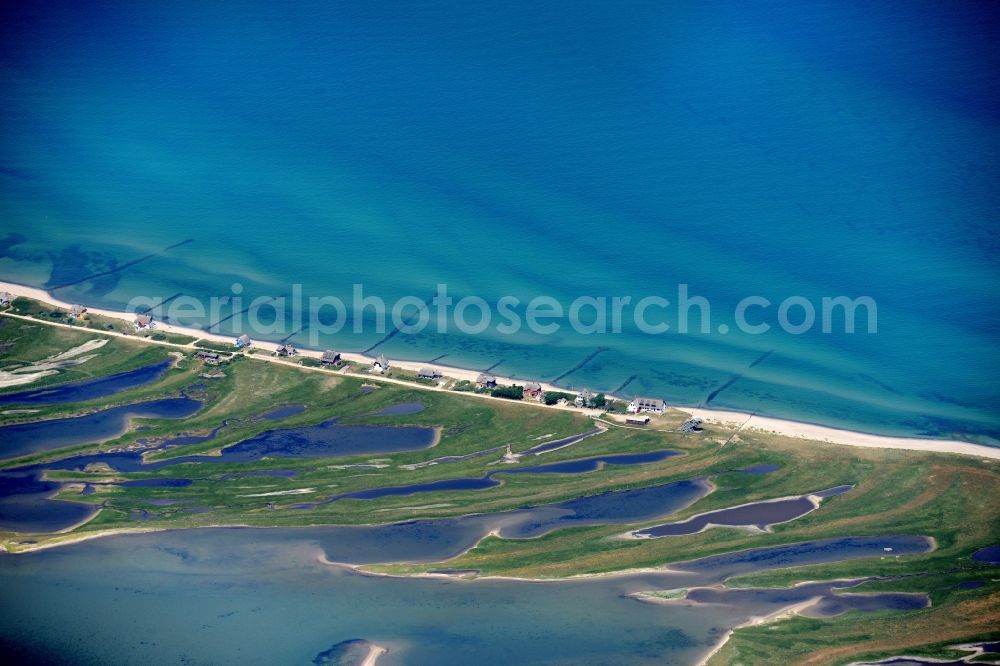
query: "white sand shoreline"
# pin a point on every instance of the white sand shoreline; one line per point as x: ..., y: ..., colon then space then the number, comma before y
x: 779, y: 614
x: 374, y: 652
x: 785, y: 427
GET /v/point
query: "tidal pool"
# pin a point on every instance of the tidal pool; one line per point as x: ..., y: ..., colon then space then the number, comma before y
x: 718, y: 568
x: 989, y: 554
x: 327, y: 439
x: 89, y: 389
x: 283, y: 412
x: 21, y: 439
x: 25, y: 504
x: 26, y: 507
x: 324, y: 440
x: 989, y: 648
x: 828, y: 599
x: 580, y: 466
x: 432, y: 540
x: 756, y: 515
x: 584, y: 465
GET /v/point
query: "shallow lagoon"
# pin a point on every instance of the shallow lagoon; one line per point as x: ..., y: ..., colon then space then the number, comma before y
x: 331, y: 439
x: 830, y: 599
x: 240, y: 596
x: 283, y: 412
x: 580, y: 466
x: 24, y: 503
x: 89, y: 389
x: 21, y: 439
x: 989, y: 649
x: 326, y: 439
x: 25, y: 506
x: 401, y: 409
x: 989, y: 554
x: 756, y: 515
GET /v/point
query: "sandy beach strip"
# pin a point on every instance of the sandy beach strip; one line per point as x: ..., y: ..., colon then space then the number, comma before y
x: 833, y: 435
x: 778, y: 426
x: 414, y: 366
x: 779, y: 614
x: 374, y: 652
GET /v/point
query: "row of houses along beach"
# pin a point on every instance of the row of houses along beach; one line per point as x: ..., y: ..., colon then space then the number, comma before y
x: 636, y: 410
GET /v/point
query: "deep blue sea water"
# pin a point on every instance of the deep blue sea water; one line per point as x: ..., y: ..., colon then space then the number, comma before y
x: 773, y: 149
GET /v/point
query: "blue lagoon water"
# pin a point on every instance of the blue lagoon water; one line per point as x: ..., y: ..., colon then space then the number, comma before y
x: 21, y: 439
x: 830, y: 601
x: 580, y: 466
x: 755, y: 515
x: 263, y: 597
x: 25, y: 505
x: 812, y: 149
x: 89, y: 389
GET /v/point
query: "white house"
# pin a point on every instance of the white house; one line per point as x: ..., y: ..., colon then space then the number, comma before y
x: 640, y: 405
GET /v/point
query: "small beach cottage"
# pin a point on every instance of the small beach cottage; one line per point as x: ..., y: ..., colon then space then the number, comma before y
x: 285, y: 350
x: 428, y: 373
x: 77, y: 311
x: 207, y: 355
x: 6, y: 297
x: 143, y: 321
x: 533, y: 390
x: 585, y: 399
x: 243, y: 341
x: 330, y: 357
x: 485, y: 380
x: 380, y: 364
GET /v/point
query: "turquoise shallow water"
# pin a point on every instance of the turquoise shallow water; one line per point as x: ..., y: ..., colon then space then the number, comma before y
x: 790, y: 149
